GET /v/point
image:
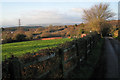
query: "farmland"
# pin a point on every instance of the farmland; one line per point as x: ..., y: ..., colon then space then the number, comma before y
x: 20, y: 48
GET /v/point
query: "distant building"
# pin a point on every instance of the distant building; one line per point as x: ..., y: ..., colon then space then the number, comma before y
x: 83, y: 35
x: 1, y: 39
x: 12, y: 32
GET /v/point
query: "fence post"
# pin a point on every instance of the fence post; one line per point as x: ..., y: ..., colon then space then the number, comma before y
x: 93, y: 39
x: 91, y: 42
x: 62, y: 62
x: 96, y: 38
x: 90, y: 45
x: 5, y: 57
x: 15, y: 69
x: 77, y: 53
x: 86, y: 49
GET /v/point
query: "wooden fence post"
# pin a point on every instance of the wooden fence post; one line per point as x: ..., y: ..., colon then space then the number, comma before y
x: 15, y: 69
x: 62, y: 62
x: 92, y: 42
x: 77, y: 53
x: 86, y: 49
x: 90, y: 45
x: 96, y: 38
x: 5, y: 57
x: 93, y: 39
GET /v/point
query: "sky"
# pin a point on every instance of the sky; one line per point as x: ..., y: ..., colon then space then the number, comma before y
x: 46, y: 12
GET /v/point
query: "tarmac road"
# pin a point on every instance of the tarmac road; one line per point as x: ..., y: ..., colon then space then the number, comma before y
x: 112, y: 55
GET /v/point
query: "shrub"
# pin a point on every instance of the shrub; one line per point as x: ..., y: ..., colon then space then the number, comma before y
x: 76, y: 25
x: 45, y: 34
x: 7, y: 40
x: 29, y: 35
x: 20, y: 37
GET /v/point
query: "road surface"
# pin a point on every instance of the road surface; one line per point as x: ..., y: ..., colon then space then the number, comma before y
x: 109, y: 64
x: 111, y: 52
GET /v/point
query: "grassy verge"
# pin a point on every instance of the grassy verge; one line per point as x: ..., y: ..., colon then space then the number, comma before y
x: 117, y: 38
x: 86, y: 70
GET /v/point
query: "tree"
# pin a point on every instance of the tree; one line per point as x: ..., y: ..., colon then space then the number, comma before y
x: 82, y: 25
x: 96, y: 15
x: 2, y: 29
x: 45, y: 35
x: 29, y: 35
x: 76, y: 25
x: 40, y: 29
x: 7, y: 36
x: 105, y: 29
x: 119, y: 34
x: 20, y: 37
x: 65, y: 26
x: 7, y: 40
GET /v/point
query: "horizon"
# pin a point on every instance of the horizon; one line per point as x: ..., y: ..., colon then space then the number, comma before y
x: 47, y: 12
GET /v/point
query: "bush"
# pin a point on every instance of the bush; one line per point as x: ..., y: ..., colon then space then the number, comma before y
x: 37, y: 37
x: 7, y: 40
x: 29, y: 35
x: 119, y: 34
x: 20, y: 37
x: 76, y: 25
x: 105, y: 29
x: 45, y: 35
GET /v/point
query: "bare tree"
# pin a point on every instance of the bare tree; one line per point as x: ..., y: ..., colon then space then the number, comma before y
x: 97, y: 15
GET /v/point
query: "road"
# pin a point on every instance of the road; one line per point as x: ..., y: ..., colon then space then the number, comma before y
x: 112, y: 55
x: 108, y: 66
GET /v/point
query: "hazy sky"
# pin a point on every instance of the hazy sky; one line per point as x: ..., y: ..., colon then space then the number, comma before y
x: 46, y: 12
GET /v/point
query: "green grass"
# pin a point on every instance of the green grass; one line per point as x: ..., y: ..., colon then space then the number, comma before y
x: 20, y: 48
x: 118, y: 38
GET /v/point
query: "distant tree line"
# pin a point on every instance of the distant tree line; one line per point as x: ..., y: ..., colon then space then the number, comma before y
x: 18, y: 34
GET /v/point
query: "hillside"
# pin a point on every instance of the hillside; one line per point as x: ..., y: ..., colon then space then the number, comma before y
x: 39, y: 32
x: 114, y: 22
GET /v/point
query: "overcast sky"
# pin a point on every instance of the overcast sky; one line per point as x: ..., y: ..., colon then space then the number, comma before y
x: 46, y: 12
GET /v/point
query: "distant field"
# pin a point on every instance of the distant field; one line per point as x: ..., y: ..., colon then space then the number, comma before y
x: 20, y: 48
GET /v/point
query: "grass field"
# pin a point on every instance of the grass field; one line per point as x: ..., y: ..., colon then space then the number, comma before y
x: 20, y: 48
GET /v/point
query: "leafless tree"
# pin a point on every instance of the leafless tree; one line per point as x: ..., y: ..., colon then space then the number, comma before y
x: 97, y: 15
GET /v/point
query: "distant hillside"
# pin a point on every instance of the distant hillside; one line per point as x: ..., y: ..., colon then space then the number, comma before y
x: 23, y: 27
x: 114, y: 22
x: 32, y: 26
x: 39, y: 32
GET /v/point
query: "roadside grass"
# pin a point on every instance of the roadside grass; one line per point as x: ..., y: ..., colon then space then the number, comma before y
x: 86, y: 69
x: 118, y: 38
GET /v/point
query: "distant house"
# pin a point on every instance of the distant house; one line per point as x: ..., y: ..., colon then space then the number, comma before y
x: 12, y: 32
